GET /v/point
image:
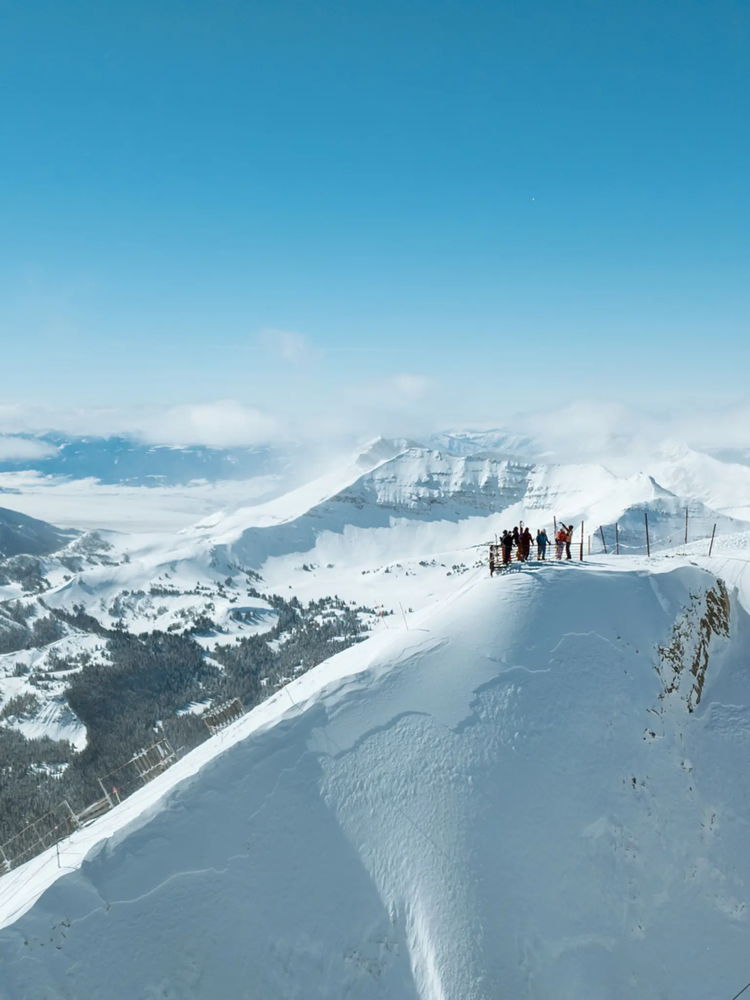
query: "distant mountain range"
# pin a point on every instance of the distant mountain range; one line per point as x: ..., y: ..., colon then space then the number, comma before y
x: 122, y: 460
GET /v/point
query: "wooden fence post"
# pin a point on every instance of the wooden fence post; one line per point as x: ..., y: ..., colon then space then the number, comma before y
x: 686, y: 525
x: 581, y: 558
x: 713, y: 535
x: 106, y: 793
x: 617, y: 538
x: 648, y: 542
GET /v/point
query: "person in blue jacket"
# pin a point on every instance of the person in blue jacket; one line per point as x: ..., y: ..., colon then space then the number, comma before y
x: 541, y: 543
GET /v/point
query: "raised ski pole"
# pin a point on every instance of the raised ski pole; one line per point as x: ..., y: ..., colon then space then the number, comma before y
x: 617, y: 538
x: 601, y: 532
x: 710, y: 547
x: 648, y: 542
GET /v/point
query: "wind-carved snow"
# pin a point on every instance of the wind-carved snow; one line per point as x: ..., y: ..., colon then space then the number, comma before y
x: 468, y: 810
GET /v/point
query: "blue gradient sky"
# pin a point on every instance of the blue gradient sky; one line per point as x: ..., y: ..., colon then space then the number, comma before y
x: 428, y: 203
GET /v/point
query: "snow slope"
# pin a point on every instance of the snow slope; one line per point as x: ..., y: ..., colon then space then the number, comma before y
x: 724, y: 486
x: 511, y: 799
x: 22, y: 534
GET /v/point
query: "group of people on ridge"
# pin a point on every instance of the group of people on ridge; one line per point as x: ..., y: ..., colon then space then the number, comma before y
x: 520, y: 540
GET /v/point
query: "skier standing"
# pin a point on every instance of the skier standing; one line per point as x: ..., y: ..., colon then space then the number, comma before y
x: 559, y: 542
x: 541, y: 543
x: 568, y: 541
x: 526, y: 543
x: 507, y: 546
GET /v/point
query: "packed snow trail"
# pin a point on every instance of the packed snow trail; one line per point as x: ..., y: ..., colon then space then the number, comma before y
x: 510, y: 801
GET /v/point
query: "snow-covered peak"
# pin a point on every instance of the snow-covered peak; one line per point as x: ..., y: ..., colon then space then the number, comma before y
x: 381, y: 449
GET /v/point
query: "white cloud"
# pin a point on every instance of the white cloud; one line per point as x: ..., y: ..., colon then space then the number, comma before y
x: 402, y: 404
x: 409, y: 388
x: 607, y: 430
x: 400, y: 391
x: 292, y: 347
x: 223, y: 424
x: 18, y: 449
x: 218, y: 424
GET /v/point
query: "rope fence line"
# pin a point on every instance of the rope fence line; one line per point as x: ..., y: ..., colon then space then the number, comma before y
x: 552, y: 551
x: 672, y: 541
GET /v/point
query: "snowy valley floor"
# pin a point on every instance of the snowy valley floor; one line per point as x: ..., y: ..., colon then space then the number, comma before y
x: 509, y: 800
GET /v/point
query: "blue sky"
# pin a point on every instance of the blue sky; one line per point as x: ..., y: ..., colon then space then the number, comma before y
x: 447, y: 211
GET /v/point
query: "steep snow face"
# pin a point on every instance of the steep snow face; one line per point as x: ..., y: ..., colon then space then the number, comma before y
x: 513, y: 799
x: 418, y: 479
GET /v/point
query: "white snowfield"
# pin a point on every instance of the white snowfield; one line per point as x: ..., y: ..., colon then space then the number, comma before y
x: 510, y: 799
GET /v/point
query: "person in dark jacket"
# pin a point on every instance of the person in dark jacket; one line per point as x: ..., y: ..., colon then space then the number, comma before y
x: 541, y: 543
x: 526, y: 544
x: 506, y: 543
x: 568, y: 540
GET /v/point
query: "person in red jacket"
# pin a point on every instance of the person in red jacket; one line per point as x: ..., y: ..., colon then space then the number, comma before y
x: 560, y: 541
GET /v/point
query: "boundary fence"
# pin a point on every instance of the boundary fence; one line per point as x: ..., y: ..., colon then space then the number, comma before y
x: 223, y: 715
x: 116, y: 785
x: 647, y: 540
x: 62, y: 820
x: 596, y: 543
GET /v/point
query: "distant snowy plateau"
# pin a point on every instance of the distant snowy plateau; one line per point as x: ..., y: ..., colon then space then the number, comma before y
x: 534, y: 786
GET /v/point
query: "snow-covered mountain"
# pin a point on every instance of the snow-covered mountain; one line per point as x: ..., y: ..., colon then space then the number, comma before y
x: 123, y: 460
x: 431, y: 501
x: 721, y: 485
x: 496, y: 442
x: 20, y: 534
x: 540, y: 790
x: 405, y: 790
x: 387, y: 530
